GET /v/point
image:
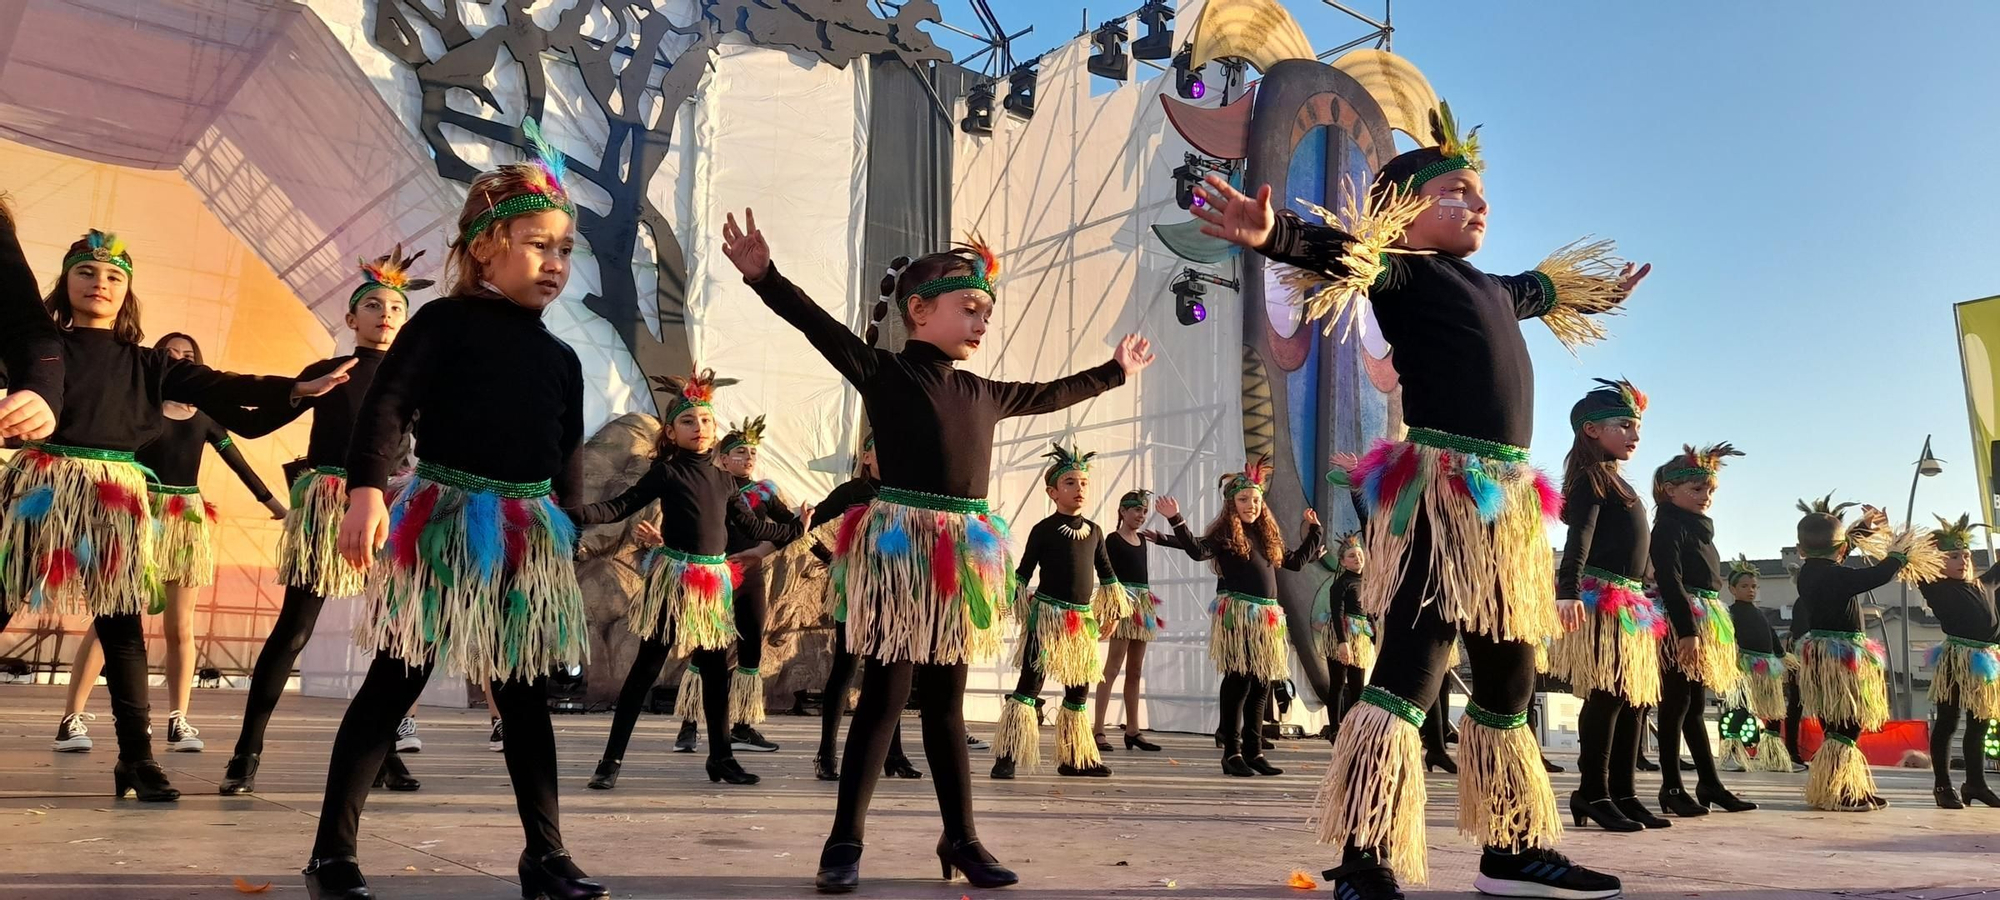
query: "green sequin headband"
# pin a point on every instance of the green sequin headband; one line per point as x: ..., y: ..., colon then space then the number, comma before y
x: 354, y: 299
x: 937, y: 287
x: 1686, y: 473
x: 518, y: 205
x: 1239, y: 484
x: 1442, y: 167
x: 1134, y: 500
x: 1603, y: 414
x: 103, y: 248
x: 684, y: 404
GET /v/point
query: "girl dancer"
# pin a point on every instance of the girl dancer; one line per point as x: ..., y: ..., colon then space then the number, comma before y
x: 183, y: 550
x: 1966, y: 665
x: 1759, y: 694
x: 1246, y: 635
x: 309, y: 560
x: 1059, y: 631
x: 922, y: 567
x: 1612, y: 661
x: 1703, y: 653
x: 688, y: 603
x: 1345, y: 634
x: 1454, y: 538
x: 479, y: 581
x: 1131, y: 632
x: 77, y: 534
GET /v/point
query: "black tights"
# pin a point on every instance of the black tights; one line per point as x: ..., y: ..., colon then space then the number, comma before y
x: 1683, y: 701
x: 1347, y: 683
x: 368, y: 732
x: 1030, y: 683
x: 834, y: 704
x: 1974, y: 746
x: 1607, y: 746
x: 274, y: 665
x: 646, y: 666
x: 1243, y: 698
x: 885, y: 688
x: 123, y: 639
x: 1795, y: 713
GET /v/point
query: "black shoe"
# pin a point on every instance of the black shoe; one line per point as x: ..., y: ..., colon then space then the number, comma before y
x: 1003, y: 768
x: 335, y: 879
x: 729, y: 770
x: 1676, y: 802
x: 1234, y: 765
x: 1946, y: 797
x: 144, y: 780
x: 1686, y: 766
x: 1638, y: 812
x: 395, y: 776
x: 496, y: 739
x: 824, y: 769
x: 1717, y: 795
x: 1875, y: 801
x: 1262, y: 766
x: 1440, y: 761
x: 1103, y: 746
x: 1139, y: 742
x: 839, y: 869
x: 685, y: 741
x: 1366, y: 878
x: 1551, y: 767
x: 1602, y: 811
x: 556, y: 877
x: 1264, y: 743
x: 974, y: 742
x: 744, y: 737
x: 899, y: 767
x: 1647, y: 765
x: 240, y: 777
x: 1096, y: 771
x: 1218, y: 738
x: 1541, y: 873
x: 971, y: 859
x: 1799, y: 768
x: 1979, y: 793
x: 606, y: 776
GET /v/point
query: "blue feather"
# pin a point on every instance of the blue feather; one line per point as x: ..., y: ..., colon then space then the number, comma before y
x: 1986, y: 665
x: 483, y: 537
x: 35, y: 504
x: 980, y: 540
x: 562, y: 529
x: 1487, y: 495
x: 1931, y: 656
x: 86, y: 552
x: 893, y: 541
x: 552, y: 159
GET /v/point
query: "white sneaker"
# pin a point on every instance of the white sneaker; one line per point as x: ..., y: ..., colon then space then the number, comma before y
x: 406, y: 736
x: 182, y: 737
x: 972, y: 742
x: 72, y: 736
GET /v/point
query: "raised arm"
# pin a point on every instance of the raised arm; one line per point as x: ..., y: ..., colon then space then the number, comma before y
x: 746, y: 248
x: 1859, y: 581
x: 1312, y: 545
x: 1188, y: 543
x: 1579, y: 281
x: 259, y: 421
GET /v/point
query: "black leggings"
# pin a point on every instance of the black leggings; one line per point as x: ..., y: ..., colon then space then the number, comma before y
x: 885, y: 688
x: 1795, y: 713
x: 1683, y: 701
x: 274, y: 665
x: 123, y: 639
x: 1347, y: 682
x: 1974, y: 746
x: 646, y: 667
x: 1030, y: 683
x: 1607, y: 746
x: 368, y: 732
x: 1243, y: 698
x: 834, y: 704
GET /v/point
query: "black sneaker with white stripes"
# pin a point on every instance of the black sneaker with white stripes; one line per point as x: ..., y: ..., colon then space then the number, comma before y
x: 1363, y: 877
x: 407, y: 740
x: 1536, y: 872
x: 72, y: 736
x: 744, y: 737
x: 497, y: 740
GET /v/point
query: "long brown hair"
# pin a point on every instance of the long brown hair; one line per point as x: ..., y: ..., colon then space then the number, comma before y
x: 489, y: 189
x: 1228, y: 535
x: 1589, y: 472
x: 125, y: 327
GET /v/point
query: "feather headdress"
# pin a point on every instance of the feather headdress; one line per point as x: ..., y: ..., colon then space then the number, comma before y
x: 747, y: 433
x: 543, y: 175
x: 1694, y: 464
x: 1610, y: 400
x: 1064, y: 459
x: 1136, y: 499
x: 1345, y: 541
x: 1955, y: 535
x: 392, y: 272
x: 984, y: 275
x: 695, y: 389
x: 1255, y: 476
x: 101, y: 246
x: 1823, y: 528
x: 1449, y: 152
x: 1741, y: 568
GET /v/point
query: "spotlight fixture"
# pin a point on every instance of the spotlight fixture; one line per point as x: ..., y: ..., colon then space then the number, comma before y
x: 1189, y: 174
x: 1187, y: 80
x: 1158, y: 43
x: 565, y: 689
x: 1188, y: 289
x: 978, y: 110
x: 1021, y: 90
x: 1110, y: 60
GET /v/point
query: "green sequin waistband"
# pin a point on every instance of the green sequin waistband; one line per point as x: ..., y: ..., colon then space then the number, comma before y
x: 1969, y: 643
x: 1248, y: 598
x: 1752, y: 654
x: 1136, y: 586
x: 1612, y: 578
x: 1490, y: 719
x: 693, y: 559
x: 334, y: 471
x: 1484, y: 449
x: 1825, y: 634
x: 963, y: 506
x: 466, y: 481
x: 1061, y: 604
x: 173, y: 490
x: 123, y: 456
x: 1396, y: 706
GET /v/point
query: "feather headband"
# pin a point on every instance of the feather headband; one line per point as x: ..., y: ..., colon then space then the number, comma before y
x: 101, y: 246
x: 1955, y: 535
x: 748, y: 433
x: 544, y: 178
x: 1345, y: 541
x: 1824, y: 513
x: 696, y: 389
x: 1610, y: 400
x: 1695, y: 464
x: 1449, y: 152
x: 392, y: 272
x: 1138, y: 499
x: 1064, y: 459
x: 984, y: 276
x: 1741, y: 568
x: 1255, y: 476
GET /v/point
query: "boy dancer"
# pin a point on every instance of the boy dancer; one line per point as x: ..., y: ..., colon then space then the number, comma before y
x: 1966, y: 667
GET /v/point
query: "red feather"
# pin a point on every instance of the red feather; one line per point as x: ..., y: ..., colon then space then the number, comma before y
x: 514, y: 533
x: 175, y: 506
x: 208, y: 509
x: 701, y: 579
x: 850, y: 525
x: 415, y: 516
x: 1552, y: 499
x: 1401, y: 471
x: 114, y: 495
x: 735, y: 574
x: 1271, y: 618
x: 944, y: 566
x: 58, y: 567
x: 1072, y: 623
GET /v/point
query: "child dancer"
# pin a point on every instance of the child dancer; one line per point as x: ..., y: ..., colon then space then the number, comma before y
x: 1703, y: 653
x: 479, y: 580
x: 1060, y: 625
x: 1613, y: 660
x: 1247, y: 633
x: 1966, y: 665
x: 1760, y: 691
x: 1343, y: 631
x: 688, y: 604
x: 1131, y: 632
x: 921, y: 569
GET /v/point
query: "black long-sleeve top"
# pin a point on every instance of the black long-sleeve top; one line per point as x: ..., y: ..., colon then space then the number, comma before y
x: 844, y: 496
x: 1684, y: 560
x: 491, y: 391
x: 1128, y: 560
x: 31, y: 348
x: 1965, y: 608
x: 1830, y: 593
x: 1604, y: 533
x: 1460, y: 356
x: 334, y: 412
x: 1344, y: 598
x: 1253, y: 575
x: 761, y: 498
x: 113, y: 391
x: 1753, y: 632
x: 175, y: 456
x: 933, y: 423
x: 1071, y: 567
x: 699, y: 506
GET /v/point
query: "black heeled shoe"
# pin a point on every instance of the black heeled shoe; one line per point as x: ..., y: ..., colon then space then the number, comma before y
x: 729, y: 770
x: 240, y: 777
x: 1262, y: 766
x: 899, y: 767
x: 971, y: 859
x: 1234, y: 765
x: 1647, y: 765
x: 1097, y: 771
x: 556, y: 877
x: 1638, y: 812
x: 824, y: 769
x: 1676, y: 802
x: 1550, y: 767
x: 1264, y: 743
x: 338, y: 878
x: 839, y: 868
x: 1946, y: 797
x: 1103, y: 746
x: 1717, y: 795
x: 1218, y: 739
x: 395, y: 776
x: 1440, y: 761
x: 1003, y: 768
x: 1974, y: 793
x: 144, y: 780
x: 1139, y: 742
x: 606, y: 776
x: 1601, y: 811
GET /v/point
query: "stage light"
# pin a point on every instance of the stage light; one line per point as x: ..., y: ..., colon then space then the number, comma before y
x: 1185, y: 179
x: 1110, y: 59
x: 1159, y: 40
x: 1188, y: 80
x: 1188, y: 307
x: 1021, y: 90
x: 978, y: 110
x: 565, y: 689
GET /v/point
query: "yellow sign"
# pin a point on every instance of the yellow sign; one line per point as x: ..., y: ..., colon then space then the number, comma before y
x: 1979, y: 354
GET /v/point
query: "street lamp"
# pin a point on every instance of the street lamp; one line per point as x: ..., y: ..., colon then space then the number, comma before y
x: 1927, y: 466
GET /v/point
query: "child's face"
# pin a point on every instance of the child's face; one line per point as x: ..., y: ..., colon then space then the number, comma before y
x: 1131, y: 517
x: 694, y: 429
x: 1693, y: 496
x: 954, y: 322
x: 1353, y: 558
x: 1069, y: 492
x: 1744, y: 589
x: 741, y: 461
x: 96, y: 293
x: 1249, y: 505
x: 533, y: 267
x: 1618, y: 437
x: 378, y: 317
x: 1456, y: 222
x: 1957, y: 563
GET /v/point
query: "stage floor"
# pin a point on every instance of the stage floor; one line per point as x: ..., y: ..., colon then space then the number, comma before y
x: 1167, y: 825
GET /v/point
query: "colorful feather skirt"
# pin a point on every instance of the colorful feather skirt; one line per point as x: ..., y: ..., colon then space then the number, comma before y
x: 1110, y: 602
x: 478, y: 578
x: 309, y: 552
x: 1841, y: 680
x: 1143, y: 623
x: 1359, y: 648
x: 1617, y: 649
x: 1486, y: 509
x: 1714, y: 663
x: 922, y: 578
x: 1246, y: 636
x: 76, y: 537
x: 1760, y: 685
x: 183, y: 536
x: 1061, y: 642
x: 1966, y: 674
x: 689, y: 598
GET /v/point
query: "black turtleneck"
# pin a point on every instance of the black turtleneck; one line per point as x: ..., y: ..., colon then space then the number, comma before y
x: 175, y: 456
x: 1753, y: 632
x: 334, y: 412
x: 1684, y: 560
x: 1069, y: 550
x: 1253, y: 575
x: 1345, y: 600
x: 1128, y: 560
x: 933, y: 423
x: 1965, y: 607
x: 1604, y: 533
x: 491, y: 391
x: 699, y: 506
x: 761, y: 498
x: 1829, y: 593
x: 31, y: 350
x: 113, y: 390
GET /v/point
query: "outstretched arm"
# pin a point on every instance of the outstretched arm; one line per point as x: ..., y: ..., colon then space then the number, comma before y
x: 649, y: 488
x: 232, y: 457
x: 1312, y: 545
x: 1183, y: 536
x: 1020, y: 398
x: 746, y: 248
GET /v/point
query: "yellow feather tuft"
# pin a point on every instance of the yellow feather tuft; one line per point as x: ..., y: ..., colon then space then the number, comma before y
x: 1374, y: 230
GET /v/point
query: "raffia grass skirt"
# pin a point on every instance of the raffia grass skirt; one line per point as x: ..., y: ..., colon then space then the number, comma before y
x: 1373, y: 794
x: 1760, y: 686
x: 1060, y: 641
x: 478, y: 577
x: 1841, y: 680
x: 1246, y: 636
x: 183, y: 536
x: 1144, y: 622
x: 76, y: 537
x: 1838, y: 778
x: 1617, y: 648
x: 691, y: 596
x: 1966, y: 674
x: 309, y: 551
x: 921, y: 578
x: 1715, y: 663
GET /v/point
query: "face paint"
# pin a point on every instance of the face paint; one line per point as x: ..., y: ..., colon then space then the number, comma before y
x: 1453, y: 204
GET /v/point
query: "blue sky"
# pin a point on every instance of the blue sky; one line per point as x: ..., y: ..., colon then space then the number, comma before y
x: 1812, y: 182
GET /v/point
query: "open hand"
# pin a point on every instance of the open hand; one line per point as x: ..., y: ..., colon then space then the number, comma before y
x: 1346, y: 462
x: 24, y: 414
x: 1688, y: 651
x: 647, y: 534
x: 1231, y: 215
x: 1629, y: 278
x: 745, y: 246
x: 1571, y: 613
x: 806, y: 512
x: 1167, y: 506
x: 324, y: 383
x: 1133, y: 353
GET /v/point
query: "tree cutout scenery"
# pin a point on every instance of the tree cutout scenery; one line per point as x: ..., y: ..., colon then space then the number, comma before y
x: 604, y: 38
